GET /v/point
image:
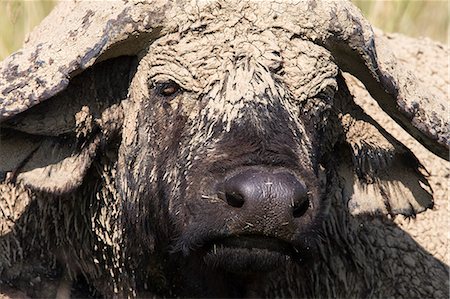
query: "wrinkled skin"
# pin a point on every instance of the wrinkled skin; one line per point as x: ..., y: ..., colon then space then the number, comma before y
x: 242, y: 158
x: 248, y: 117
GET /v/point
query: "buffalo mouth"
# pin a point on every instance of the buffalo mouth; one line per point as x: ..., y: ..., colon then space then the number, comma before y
x: 249, y: 254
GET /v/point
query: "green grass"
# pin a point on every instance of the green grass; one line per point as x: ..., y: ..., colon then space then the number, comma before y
x: 412, y: 17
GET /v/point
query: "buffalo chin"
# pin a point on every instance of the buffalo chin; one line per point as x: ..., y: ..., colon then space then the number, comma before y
x: 247, y: 254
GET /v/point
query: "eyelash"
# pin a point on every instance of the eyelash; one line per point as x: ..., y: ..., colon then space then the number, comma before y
x: 167, y: 89
x: 327, y: 94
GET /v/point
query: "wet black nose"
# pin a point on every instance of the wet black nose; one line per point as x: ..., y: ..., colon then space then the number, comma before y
x: 257, y: 188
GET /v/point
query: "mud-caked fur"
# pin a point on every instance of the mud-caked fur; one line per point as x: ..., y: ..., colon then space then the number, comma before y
x: 142, y: 214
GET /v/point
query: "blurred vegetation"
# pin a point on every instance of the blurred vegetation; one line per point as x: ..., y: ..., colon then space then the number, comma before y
x: 412, y: 17
x: 17, y: 18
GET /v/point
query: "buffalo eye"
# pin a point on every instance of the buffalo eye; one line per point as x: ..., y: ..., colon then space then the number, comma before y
x: 167, y: 89
x: 327, y: 94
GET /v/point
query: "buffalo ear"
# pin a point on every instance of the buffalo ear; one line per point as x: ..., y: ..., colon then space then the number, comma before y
x: 51, y: 146
x: 399, y: 188
x: 381, y: 174
x: 393, y: 84
x: 57, y: 164
x: 45, y: 163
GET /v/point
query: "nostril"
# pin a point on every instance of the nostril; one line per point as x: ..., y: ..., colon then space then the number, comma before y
x: 268, y: 189
x: 300, y: 209
x: 234, y: 199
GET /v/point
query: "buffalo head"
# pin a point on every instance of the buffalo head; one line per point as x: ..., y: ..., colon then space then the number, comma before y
x: 225, y: 127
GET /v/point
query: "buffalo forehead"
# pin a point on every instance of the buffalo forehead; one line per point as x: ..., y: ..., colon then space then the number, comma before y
x: 210, y: 35
x: 233, y: 71
x: 197, y: 60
